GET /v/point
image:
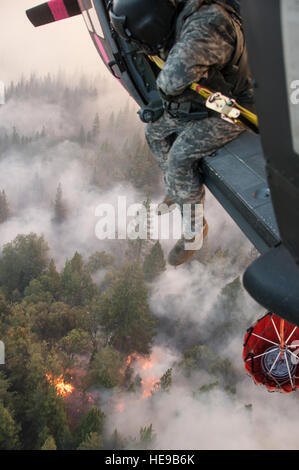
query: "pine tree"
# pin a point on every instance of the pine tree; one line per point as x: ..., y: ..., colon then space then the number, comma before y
x: 105, y: 369
x: 96, y: 127
x: 154, y: 263
x: 76, y: 283
x: 9, y: 430
x: 43, y: 133
x: 117, y: 442
x: 60, y: 212
x: 93, y: 441
x: 100, y: 260
x: 4, y: 210
x: 82, y: 137
x: 142, y: 170
x: 140, y: 247
x: 165, y: 381
x: 49, y: 444
x: 23, y: 259
x: 15, y: 137
x: 91, y: 422
x: 147, y: 437
x: 125, y: 314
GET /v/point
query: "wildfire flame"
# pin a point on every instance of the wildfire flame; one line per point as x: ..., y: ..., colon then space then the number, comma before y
x: 120, y: 407
x: 130, y: 359
x: 148, y: 384
x: 147, y: 364
x: 149, y: 381
x: 143, y: 363
x: 145, y: 367
x: 62, y: 388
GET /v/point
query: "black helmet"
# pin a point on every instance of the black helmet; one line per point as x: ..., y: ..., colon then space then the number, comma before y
x: 235, y: 4
x: 147, y: 23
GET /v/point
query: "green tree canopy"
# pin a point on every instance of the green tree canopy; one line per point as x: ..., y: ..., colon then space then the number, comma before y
x: 4, y: 309
x: 37, y: 406
x: 46, y: 288
x: 202, y: 357
x: 4, y: 209
x: 100, y: 260
x: 9, y: 439
x: 60, y: 211
x: 23, y: 259
x: 4, y: 386
x: 165, y: 381
x: 93, y: 441
x: 49, y: 444
x: 154, y: 263
x: 77, y: 341
x: 105, y: 368
x: 125, y: 314
x: 54, y: 321
x: 147, y: 438
x: 142, y: 168
x: 76, y: 282
x: 91, y: 422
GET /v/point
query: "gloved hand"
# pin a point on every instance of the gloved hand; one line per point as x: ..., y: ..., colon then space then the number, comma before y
x: 187, y: 95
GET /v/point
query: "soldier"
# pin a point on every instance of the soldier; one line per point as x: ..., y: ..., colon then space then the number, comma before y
x: 200, y: 41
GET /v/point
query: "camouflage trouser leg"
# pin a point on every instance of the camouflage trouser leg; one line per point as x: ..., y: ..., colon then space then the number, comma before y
x: 179, y: 158
x: 160, y: 136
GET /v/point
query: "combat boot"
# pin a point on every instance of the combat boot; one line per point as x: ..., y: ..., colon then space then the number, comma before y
x: 166, y: 206
x: 179, y: 255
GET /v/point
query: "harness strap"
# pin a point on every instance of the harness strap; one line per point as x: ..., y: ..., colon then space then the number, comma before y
x: 247, y: 119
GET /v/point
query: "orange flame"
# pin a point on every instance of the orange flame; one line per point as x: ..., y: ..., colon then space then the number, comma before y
x: 146, y: 364
x: 133, y: 357
x: 63, y: 389
x: 143, y: 362
x: 148, y: 382
x: 120, y: 407
x: 129, y: 360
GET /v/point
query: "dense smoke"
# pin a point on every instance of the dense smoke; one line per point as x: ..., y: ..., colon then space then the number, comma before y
x: 249, y: 417
x: 30, y: 172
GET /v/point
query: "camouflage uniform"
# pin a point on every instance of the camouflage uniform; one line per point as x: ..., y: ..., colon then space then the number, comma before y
x: 180, y: 160
x: 204, y: 42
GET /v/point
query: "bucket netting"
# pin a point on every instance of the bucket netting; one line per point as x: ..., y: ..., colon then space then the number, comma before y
x: 271, y: 354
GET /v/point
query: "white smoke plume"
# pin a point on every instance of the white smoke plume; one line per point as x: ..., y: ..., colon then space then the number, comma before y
x: 183, y: 418
x: 30, y: 175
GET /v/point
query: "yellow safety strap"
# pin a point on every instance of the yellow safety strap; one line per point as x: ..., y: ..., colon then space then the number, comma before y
x: 247, y: 118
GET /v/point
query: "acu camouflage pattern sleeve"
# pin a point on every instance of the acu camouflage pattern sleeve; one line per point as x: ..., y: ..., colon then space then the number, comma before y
x: 207, y: 39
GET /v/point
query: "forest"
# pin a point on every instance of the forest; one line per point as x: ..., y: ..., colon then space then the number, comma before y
x: 78, y: 331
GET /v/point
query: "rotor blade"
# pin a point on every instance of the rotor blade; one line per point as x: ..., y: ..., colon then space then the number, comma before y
x: 55, y: 10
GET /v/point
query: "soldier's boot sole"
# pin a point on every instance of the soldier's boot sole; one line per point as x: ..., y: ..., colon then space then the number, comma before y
x: 179, y: 255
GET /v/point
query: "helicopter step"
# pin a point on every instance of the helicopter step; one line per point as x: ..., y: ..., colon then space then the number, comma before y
x: 236, y: 176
